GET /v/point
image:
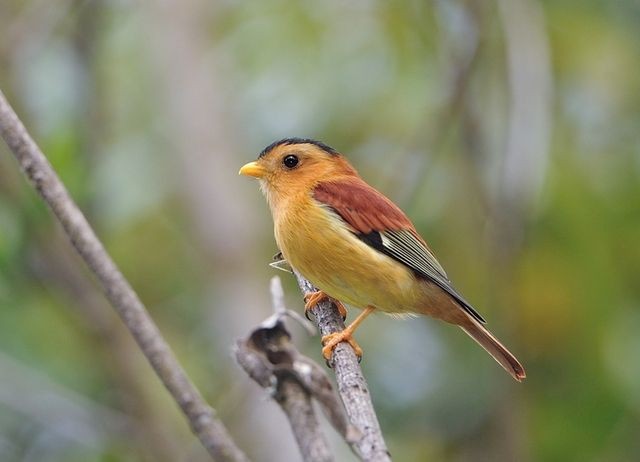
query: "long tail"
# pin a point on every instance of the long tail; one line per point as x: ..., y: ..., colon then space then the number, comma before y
x: 487, y: 341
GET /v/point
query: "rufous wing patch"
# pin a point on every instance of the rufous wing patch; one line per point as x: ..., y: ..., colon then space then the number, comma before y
x: 379, y: 223
x: 361, y: 206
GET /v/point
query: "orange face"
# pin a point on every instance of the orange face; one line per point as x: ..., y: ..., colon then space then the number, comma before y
x: 291, y: 166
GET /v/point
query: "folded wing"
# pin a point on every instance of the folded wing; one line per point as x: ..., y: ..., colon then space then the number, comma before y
x: 378, y: 222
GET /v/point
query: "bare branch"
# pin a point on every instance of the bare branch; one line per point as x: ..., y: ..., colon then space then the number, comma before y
x: 269, y: 357
x: 256, y: 355
x: 277, y: 299
x: 204, y: 423
x: 352, y: 385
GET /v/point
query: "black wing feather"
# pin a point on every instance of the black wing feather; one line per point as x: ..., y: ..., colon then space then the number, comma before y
x: 404, y: 247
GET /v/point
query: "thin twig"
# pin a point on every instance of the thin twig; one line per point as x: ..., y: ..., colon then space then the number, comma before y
x: 204, y: 423
x: 352, y: 386
x: 269, y: 357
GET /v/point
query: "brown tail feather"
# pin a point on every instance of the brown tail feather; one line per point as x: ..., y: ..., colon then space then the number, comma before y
x: 487, y: 341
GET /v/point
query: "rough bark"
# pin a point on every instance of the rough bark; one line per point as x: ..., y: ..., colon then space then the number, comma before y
x: 294, y: 381
x: 352, y: 386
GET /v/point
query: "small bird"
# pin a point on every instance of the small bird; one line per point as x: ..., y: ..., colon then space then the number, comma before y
x: 357, y: 246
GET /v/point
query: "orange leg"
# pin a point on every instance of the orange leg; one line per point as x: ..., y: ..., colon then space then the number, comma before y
x: 313, y: 298
x: 330, y: 341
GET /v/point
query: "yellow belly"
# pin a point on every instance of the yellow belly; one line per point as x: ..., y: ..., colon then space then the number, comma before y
x: 324, y: 251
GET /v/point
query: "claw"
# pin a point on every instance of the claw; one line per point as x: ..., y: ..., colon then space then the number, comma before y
x: 341, y: 309
x: 311, y: 299
x: 330, y: 341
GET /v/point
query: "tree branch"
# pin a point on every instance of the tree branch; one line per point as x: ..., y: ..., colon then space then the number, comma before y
x: 269, y: 357
x: 253, y: 356
x: 352, y: 385
x: 204, y: 423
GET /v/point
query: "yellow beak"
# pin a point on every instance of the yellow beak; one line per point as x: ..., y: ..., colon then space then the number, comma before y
x: 253, y: 169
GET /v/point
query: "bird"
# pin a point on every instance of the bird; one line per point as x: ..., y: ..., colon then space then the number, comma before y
x: 356, y: 246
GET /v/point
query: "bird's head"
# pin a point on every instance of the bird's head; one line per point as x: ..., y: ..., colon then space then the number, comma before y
x: 294, y: 165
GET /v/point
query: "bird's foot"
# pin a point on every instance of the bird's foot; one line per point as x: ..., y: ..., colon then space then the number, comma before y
x: 311, y: 299
x: 330, y: 341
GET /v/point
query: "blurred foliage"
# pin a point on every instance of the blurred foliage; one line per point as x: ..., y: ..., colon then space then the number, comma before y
x: 508, y: 130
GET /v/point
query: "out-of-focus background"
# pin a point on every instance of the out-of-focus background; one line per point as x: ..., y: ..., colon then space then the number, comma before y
x: 509, y: 131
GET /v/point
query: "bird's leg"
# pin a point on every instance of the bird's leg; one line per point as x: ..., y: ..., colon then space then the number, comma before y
x: 311, y: 299
x: 330, y: 341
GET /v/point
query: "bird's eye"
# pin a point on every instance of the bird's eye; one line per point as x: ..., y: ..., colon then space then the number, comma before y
x: 290, y: 161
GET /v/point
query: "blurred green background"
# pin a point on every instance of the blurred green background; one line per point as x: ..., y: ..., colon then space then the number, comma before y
x: 509, y: 131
